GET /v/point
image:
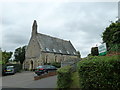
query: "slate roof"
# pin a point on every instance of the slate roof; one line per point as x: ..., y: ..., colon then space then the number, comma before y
x: 55, y: 45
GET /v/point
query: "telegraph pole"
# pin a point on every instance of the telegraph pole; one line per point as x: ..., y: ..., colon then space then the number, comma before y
x: 119, y: 11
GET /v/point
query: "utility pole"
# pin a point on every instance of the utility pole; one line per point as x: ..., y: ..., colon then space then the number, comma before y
x: 119, y: 11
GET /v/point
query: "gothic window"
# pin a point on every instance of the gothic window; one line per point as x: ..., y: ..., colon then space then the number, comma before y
x: 33, y: 40
x: 63, y: 59
x: 31, y: 64
x: 38, y: 62
x: 46, y: 58
x: 55, y: 58
x: 34, y: 45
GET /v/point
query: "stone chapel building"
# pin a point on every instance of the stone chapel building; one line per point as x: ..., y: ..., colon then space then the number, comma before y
x: 45, y: 49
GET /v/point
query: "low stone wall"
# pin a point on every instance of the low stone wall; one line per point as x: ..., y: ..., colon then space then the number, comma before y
x: 45, y: 75
x: 113, y: 53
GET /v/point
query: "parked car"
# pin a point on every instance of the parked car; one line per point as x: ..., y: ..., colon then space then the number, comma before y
x: 44, y: 69
x: 40, y: 70
x: 50, y: 68
x: 9, y: 70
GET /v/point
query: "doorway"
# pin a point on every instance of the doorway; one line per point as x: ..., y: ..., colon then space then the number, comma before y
x: 31, y: 65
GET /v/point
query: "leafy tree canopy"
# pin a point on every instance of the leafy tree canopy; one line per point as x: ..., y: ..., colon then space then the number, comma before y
x: 6, y: 56
x: 20, y: 54
x: 94, y: 51
x: 79, y: 55
x: 111, y: 35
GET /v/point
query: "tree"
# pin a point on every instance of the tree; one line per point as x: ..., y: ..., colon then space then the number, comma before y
x: 111, y: 36
x: 6, y: 56
x: 20, y: 54
x: 89, y: 55
x: 94, y: 51
x: 78, y: 53
x: 0, y: 56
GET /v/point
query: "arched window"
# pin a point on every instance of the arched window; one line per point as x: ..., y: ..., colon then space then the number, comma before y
x: 46, y: 59
x: 55, y: 58
x: 31, y: 65
x: 63, y: 58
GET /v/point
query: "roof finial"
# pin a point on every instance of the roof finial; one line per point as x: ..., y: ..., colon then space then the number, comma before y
x: 34, y: 23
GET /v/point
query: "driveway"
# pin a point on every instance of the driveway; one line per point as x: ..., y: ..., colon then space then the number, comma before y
x: 26, y: 80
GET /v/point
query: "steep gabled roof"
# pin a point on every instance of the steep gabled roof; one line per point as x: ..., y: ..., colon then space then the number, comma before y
x: 55, y: 45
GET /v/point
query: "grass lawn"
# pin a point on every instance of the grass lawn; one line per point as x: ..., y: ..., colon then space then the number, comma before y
x: 75, y: 82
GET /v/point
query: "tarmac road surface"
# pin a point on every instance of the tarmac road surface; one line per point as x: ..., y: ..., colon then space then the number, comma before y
x: 26, y: 80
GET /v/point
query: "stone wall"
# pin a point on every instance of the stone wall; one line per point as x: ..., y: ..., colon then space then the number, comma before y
x: 45, y: 58
x: 51, y: 57
x: 33, y: 49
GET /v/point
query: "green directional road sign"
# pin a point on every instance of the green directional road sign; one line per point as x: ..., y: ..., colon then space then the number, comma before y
x: 102, y: 49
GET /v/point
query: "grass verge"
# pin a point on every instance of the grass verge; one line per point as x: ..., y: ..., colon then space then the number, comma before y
x: 75, y: 80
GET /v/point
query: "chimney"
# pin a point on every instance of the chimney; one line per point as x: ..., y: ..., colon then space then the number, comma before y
x: 34, y: 28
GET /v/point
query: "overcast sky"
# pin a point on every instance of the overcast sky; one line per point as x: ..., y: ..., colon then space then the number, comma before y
x: 80, y: 22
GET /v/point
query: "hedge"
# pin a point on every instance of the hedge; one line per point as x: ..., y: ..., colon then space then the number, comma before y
x: 114, y: 48
x: 56, y: 64
x: 64, y: 77
x: 101, y: 72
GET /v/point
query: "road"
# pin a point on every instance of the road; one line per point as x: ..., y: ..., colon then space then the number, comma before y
x: 26, y: 80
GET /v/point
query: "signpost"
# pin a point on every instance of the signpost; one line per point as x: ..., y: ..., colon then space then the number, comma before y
x: 102, y: 49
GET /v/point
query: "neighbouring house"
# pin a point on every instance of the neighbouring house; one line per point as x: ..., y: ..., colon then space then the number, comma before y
x: 43, y: 49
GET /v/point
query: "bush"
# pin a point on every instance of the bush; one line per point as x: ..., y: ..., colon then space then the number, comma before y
x: 75, y: 80
x: 56, y: 64
x: 100, y: 73
x: 64, y: 77
x: 114, y: 48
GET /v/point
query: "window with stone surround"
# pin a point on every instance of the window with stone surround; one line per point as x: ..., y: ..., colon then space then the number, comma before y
x: 55, y: 58
x: 46, y: 59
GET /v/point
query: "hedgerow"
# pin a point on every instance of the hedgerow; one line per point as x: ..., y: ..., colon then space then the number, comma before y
x: 101, y: 72
x: 64, y: 77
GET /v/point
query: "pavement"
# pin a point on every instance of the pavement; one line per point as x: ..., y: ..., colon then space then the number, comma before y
x: 26, y: 80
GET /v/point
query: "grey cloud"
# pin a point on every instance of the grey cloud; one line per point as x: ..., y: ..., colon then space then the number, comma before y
x: 81, y: 23
x: 14, y: 39
x: 6, y: 22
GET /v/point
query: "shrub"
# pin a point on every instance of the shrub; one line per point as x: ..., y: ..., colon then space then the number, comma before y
x: 114, y: 48
x: 64, y: 77
x: 75, y: 80
x: 100, y: 73
x: 56, y: 64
